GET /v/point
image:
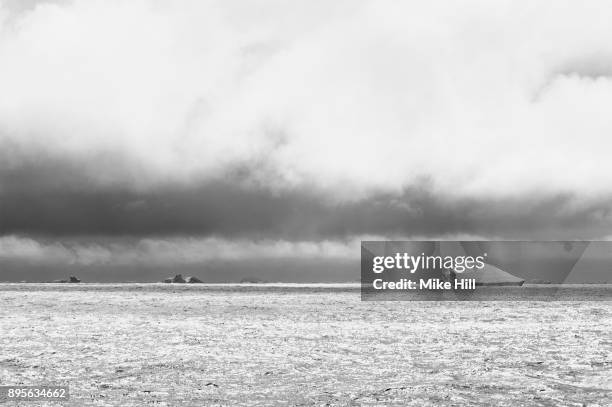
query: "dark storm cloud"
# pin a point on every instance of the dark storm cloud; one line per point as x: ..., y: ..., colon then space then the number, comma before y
x: 58, y: 200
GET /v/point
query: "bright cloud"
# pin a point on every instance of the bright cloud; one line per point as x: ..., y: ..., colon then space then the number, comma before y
x: 480, y: 98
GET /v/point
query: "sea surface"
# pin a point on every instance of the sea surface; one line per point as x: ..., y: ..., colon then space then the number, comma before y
x: 292, y: 344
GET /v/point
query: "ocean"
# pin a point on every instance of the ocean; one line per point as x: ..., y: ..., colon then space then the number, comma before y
x: 293, y: 344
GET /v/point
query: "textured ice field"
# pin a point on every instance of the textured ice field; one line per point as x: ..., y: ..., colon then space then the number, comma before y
x: 136, y: 345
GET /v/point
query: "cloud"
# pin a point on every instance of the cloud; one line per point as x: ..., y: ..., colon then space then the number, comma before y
x: 166, y: 252
x: 355, y: 99
x: 157, y: 134
x: 58, y: 200
x: 24, y: 249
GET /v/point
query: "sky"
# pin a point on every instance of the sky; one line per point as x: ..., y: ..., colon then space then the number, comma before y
x: 145, y: 135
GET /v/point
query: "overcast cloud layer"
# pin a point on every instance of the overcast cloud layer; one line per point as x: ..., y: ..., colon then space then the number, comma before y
x: 305, y: 121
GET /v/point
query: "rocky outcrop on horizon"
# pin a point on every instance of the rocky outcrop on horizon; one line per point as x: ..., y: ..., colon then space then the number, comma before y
x: 178, y: 279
